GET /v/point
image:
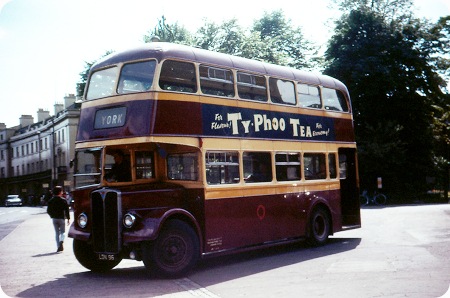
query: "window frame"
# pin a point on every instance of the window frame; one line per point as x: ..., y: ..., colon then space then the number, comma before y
x: 277, y: 98
x: 283, y: 167
x: 217, y: 81
x: 252, y: 85
x: 178, y: 83
x: 223, y: 165
x: 120, y: 86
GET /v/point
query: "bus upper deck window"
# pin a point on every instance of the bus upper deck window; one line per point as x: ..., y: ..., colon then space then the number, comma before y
x: 251, y: 86
x: 334, y: 100
x: 216, y: 81
x: 102, y: 83
x: 282, y: 91
x: 309, y: 96
x: 178, y: 76
x: 136, y: 77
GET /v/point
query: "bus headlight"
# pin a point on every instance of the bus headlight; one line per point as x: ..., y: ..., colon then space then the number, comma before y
x: 82, y: 220
x: 129, y: 220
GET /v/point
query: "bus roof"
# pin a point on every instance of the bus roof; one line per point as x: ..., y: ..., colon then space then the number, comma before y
x: 163, y: 50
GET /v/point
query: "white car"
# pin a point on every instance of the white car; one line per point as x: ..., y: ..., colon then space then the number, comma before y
x: 13, y: 200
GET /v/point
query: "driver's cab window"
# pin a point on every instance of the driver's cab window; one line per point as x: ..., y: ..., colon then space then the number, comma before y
x: 144, y: 165
x: 117, y: 166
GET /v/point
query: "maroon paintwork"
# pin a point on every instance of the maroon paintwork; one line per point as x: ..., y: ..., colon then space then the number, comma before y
x: 223, y: 225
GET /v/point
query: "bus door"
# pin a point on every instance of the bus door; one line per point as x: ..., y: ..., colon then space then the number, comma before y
x: 350, y: 207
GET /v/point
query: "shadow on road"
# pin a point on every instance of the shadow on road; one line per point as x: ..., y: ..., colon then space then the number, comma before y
x: 137, y: 282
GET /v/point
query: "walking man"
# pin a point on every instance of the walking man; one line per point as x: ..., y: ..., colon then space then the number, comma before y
x: 58, y: 209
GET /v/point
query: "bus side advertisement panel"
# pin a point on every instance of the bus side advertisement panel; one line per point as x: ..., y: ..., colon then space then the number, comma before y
x: 222, y: 121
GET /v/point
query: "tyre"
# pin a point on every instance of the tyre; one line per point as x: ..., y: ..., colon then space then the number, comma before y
x: 88, y: 258
x: 363, y: 200
x: 319, y: 227
x: 380, y: 199
x: 174, y: 252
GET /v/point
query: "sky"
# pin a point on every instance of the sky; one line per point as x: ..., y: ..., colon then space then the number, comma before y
x: 44, y: 44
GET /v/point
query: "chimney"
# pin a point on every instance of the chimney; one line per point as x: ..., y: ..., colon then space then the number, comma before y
x: 2, y: 126
x: 69, y: 100
x: 42, y: 115
x: 58, y: 108
x: 26, y: 120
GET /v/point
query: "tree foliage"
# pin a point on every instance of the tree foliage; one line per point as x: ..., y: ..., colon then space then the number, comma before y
x: 272, y: 39
x: 169, y: 33
x: 385, y: 57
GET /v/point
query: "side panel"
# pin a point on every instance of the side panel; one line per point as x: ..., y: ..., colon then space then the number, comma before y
x: 239, y: 222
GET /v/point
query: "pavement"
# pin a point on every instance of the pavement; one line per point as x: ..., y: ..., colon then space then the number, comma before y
x: 386, y: 259
x: 31, y: 249
x: 31, y: 267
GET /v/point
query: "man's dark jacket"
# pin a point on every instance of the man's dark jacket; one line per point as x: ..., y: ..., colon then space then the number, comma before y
x: 58, y: 208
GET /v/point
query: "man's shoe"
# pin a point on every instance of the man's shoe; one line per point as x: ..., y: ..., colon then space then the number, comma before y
x: 61, y: 247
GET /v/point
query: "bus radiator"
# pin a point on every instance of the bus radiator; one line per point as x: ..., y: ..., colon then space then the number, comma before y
x: 106, y: 217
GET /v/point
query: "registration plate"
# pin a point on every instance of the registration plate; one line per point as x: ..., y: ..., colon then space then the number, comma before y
x: 106, y: 257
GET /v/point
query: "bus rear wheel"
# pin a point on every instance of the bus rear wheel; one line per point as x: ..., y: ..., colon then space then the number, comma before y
x: 319, y: 227
x: 86, y: 256
x: 174, y: 252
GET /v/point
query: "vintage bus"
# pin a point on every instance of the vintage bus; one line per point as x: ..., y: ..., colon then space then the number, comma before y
x: 183, y: 153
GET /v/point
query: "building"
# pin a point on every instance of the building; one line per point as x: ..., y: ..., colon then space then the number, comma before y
x: 35, y: 156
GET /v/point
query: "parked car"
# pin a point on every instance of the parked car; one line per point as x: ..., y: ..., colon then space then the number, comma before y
x: 13, y: 200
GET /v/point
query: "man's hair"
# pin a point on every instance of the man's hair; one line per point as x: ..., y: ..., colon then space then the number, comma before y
x: 57, y: 190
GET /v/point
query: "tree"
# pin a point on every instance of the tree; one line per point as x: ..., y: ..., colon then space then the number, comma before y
x: 169, y: 33
x: 438, y: 37
x: 271, y: 39
x: 224, y: 38
x: 378, y: 52
x: 285, y: 45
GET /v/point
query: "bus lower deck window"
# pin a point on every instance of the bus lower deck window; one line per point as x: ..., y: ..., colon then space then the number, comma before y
x: 257, y: 167
x: 183, y: 166
x: 222, y: 167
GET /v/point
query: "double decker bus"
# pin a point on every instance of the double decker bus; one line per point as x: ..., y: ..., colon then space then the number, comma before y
x: 183, y: 153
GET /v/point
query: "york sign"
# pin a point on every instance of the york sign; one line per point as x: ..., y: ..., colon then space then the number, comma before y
x: 109, y: 118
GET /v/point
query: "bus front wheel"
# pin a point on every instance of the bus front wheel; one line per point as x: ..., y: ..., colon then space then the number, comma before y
x: 174, y: 252
x: 319, y: 227
x: 86, y: 256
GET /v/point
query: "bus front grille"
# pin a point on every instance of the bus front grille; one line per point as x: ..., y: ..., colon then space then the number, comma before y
x: 106, y: 221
